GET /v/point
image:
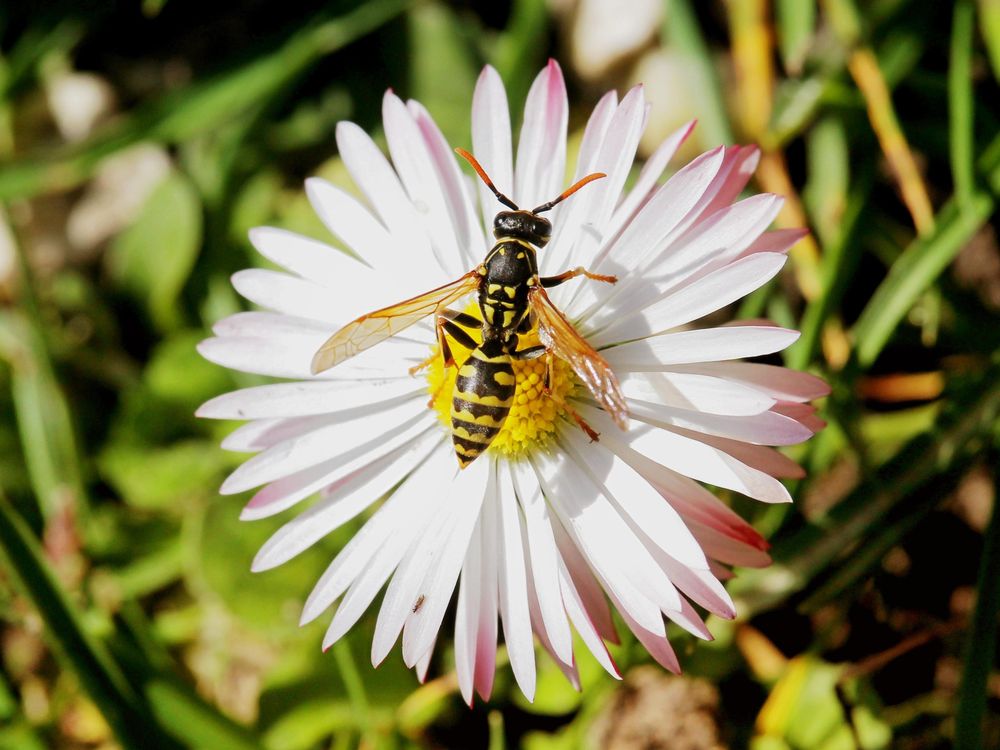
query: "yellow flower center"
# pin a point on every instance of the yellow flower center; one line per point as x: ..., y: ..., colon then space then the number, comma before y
x: 534, y: 416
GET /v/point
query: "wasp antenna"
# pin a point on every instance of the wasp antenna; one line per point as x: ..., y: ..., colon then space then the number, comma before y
x: 568, y: 192
x: 486, y: 178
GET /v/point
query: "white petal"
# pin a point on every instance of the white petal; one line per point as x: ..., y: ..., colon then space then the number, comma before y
x: 768, y: 428
x: 760, y: 457
x: 689, y: 619
x: 636, y: 499
x: 304, y: 398
x: 380, y: 184
x: 291, y: 295
x: 605, y: 540
x: 445, y: 561
x: 346, y: 218
x: 514, y: 588
x: 776, y: 241
x: 486, y: 632
x: 416, y: 170
x: 594, y: 204
x: 538, y: 625
x: 584, y: 626
x: 340, y: 504
x: 654, y: 640
x: 665, y: 215
x: 277, y: 359
x: 461, y: 208
x: 491, y: 141
x: 698, y: 584
x: 263, y: 433
x: 697, y: 392
x: 406, y: 586
x: 715, y: 241
x: 741, y: 162
x: 271, y: 325
x: 778, y: 382
x: 311, y: 259
x: 541, y: 149
x: 649, y: 175
x: 346, y: 439
x: 423, y: 664
x: 467, y: 618
x: 543, y: 555
x: 695, y: 300
x: 376, y: 549
x: 726, y: 549
x: 283, y: 493
x: 573, y: 217
x: 587, y: 586
x: 706, y: 345
x: 698, y: 506
x: 710, y: 244
x: 693, y: 458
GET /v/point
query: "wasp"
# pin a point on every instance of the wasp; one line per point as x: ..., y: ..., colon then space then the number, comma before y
x: 512, y: 299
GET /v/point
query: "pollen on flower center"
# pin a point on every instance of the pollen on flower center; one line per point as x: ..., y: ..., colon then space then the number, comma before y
x: 534, y: 417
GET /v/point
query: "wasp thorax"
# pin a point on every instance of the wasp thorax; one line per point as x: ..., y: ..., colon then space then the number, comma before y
x: 523, y: 225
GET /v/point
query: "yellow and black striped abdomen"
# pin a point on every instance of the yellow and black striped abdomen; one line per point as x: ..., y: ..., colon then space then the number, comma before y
x: 483, y: 395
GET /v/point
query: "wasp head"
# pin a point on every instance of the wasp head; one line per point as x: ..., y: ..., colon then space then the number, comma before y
x: 523, y: 225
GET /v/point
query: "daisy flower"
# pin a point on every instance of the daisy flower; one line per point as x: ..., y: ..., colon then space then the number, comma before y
x: 547, y: 531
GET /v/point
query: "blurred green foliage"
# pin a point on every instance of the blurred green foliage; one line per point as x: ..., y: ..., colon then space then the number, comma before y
x: 128, y: 616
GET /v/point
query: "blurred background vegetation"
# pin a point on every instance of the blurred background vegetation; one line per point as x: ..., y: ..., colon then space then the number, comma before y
x: 140, y: 139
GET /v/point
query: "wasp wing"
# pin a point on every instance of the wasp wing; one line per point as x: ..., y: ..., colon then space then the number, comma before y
x: 377, y: 326
x: 561, y: 338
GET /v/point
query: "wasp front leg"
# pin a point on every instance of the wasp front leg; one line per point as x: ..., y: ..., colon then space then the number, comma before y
x: 550, y: 281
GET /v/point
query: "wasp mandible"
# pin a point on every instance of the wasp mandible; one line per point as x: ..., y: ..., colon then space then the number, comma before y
x: 512, y: 299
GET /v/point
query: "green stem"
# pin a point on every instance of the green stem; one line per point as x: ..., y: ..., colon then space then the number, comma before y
x: 99, y: 675
x: 960, y: 102
x: 981, y: 646
x: 355, y: 687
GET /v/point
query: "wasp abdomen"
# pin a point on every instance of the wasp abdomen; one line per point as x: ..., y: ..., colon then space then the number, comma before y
x: 483, y: 395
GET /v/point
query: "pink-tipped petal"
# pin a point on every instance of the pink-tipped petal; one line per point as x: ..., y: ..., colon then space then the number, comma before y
x: 491, y: 140
x: 541, y: 149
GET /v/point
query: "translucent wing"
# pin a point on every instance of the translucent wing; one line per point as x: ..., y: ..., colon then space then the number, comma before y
x: 560, y: 337
x: 377, y: 326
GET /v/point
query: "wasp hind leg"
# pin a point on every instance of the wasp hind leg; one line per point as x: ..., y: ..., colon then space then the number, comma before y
x: 448, y: 323
x: 453, y: 323
x: 550, y: 281
x: 562, y: 402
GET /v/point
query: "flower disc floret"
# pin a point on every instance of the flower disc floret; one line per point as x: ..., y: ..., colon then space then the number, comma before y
x: 535, y: 418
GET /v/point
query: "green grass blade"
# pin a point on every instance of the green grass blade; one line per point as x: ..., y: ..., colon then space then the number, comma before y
x: 44, y: 419
x: 796, y: 20
x: 989, y: 27
x: 981, y: 646
x: 441, y: 51
x: 917, y: 268
x: 520, y: 51
x: 99, y: 675
x: 200, y: 107
x: 808, y: 553
x: 682, y: 33
x: 960, y: 103
x: 179, y: 710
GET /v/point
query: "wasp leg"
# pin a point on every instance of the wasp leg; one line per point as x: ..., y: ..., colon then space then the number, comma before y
x: 560, y: 401
x: 450, y: 321
x: 550, y: 281
x: 463, y: 319
x: 532, y: 352
x: 447, y: 328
